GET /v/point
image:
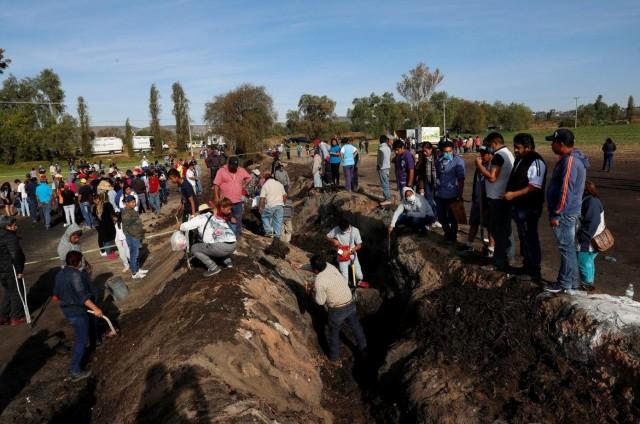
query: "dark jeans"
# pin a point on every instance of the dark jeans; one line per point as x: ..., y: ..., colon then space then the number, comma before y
x: 337, y: 316
x: 527, y: 223
x: 348, y: 177
x: 500, y: 229
x: 10, y: 307
x: 335, y: 173
x: 81, y: 328
x: 607, y: 161
x: 447, y: 219
x: 33, y: 208
x: 414, y: 222
x: 237, y: 210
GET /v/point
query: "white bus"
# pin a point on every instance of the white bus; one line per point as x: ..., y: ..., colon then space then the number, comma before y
x: 142, y: 143
x: 106, y: 145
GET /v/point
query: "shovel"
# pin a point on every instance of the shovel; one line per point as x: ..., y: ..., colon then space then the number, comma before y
x: 112, y: 332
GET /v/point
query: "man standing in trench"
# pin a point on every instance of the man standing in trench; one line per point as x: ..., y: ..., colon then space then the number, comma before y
x: 331, y: 289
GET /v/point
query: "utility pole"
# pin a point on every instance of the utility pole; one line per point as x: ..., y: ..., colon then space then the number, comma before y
x: 575, y: 124
x: 444, y: 118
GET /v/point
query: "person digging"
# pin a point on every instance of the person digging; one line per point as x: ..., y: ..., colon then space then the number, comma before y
x: 347, y: 240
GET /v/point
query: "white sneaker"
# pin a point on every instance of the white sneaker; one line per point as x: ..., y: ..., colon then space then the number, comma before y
x: 125, y: 269
x: 143, y: 271
x: 103, y: 253
x: 138, y: 276
x: 436, y: 225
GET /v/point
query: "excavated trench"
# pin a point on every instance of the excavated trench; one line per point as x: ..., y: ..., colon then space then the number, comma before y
x: 448, y: 342
x: 452, y: 343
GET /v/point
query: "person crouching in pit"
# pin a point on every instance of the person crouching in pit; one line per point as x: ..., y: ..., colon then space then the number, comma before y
x: 414, y: 212
x: 77, y: 295
x: 217, y: 239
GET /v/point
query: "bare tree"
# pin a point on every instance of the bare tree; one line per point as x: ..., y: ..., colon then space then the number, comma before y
x: 631, y: 108
x: 419, y: 84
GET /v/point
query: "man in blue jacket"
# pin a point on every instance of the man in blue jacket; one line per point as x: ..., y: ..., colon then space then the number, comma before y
x: 564, y: 201
x: 450, y: 184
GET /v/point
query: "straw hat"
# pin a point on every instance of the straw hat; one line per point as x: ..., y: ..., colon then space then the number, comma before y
x: 204, y: 208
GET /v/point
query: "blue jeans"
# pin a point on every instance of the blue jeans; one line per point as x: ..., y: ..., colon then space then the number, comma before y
x: 337, y: 316
x: 237, y: 211
x: 80, y: 325
x: 566, y: 238
x: 272, y: 219
x: 24, y: 207
x: 85, y: 208
x: 164, y: 193
x: 429, y: 195
x: 134, y: 252
x: 587, y: 267
x: 527, y: 223
x: 500, y: 229
x: 447, y: 219
x: 348, y: 177
x: 154, y: 199
x: 45, y: 209
x: 384, y: 182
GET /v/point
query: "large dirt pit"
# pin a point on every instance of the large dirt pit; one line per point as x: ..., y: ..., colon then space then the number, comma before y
x: 448, y: 342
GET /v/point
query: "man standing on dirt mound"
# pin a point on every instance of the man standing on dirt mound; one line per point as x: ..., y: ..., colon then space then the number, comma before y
x: 231, y: 182
x: 564, y: 202
x: 332, y: 290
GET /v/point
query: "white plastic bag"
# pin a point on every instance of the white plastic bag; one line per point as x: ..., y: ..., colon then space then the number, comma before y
x: 178, y: 241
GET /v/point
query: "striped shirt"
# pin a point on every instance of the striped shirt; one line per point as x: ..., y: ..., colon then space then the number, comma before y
x: 331, y: 288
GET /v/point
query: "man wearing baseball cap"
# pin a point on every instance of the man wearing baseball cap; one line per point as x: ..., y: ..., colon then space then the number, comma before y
x: 564, y: 201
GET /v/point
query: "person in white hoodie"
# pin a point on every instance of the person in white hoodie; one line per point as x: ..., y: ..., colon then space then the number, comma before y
x: 414, y: 211
x: 121, y: 243
x: 218, y: 241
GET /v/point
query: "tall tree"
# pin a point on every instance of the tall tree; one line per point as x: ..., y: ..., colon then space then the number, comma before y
x: 128, y: 137
x: 419, y: 84
x: 83, y: 118
x: 243, y: 116
x: 4, y: 62
x: 631, y: 109
x: 154, y: 110
x: 181, y: 112
x: 316, y: 114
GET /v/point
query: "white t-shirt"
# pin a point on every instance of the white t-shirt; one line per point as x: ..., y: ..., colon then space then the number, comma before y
x: 536, y: 173
x: 191, y: 177
x: 504, y: 159
x: 22, y: 191
x: 273, y: 193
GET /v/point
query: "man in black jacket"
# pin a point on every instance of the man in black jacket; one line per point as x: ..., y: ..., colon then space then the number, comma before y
x: 607, y: 149
x: 11, y: 257
x: 525, y: 192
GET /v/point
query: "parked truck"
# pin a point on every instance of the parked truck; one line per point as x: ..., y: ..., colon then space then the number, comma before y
x: 106, y: 145
x: 142, y: 143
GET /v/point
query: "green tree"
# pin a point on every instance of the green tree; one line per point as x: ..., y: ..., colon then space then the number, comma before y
x: 181, y: 112
x: 469, y: 117
x: 243, y: 116
x: 128, y: 138
x: 316, y: 115
x: 83, y: 118
x: 631, y: 109
x: 600, y: 110
x: 293, y: 122
x: 154, y: 125
x: 614, y: 112
x: 4, y: 62
x: 515, y: 116
x: 377, y: 115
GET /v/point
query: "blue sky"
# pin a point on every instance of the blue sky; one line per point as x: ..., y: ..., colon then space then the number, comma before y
x: 541, y: 53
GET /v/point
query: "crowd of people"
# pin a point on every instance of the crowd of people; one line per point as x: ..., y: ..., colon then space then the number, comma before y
x: 508, y: 186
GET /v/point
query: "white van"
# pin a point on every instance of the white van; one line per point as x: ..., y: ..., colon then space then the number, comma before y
x: 142, y: 143
x: 106, y: 145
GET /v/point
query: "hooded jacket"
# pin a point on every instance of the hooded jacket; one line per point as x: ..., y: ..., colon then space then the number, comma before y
x: 11, y: 254
x: 564, y: 195
x: 591, y: 222
x: 65, y: 246
x: 419, y: 208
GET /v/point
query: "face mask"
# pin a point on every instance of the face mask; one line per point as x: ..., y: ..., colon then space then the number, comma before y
x: 411, y: 199
x: 447, y: 155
